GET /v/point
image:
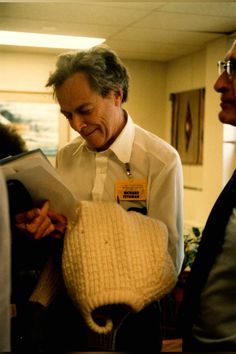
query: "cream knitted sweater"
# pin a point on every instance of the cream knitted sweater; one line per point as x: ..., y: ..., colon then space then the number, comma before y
x: 111, y: 257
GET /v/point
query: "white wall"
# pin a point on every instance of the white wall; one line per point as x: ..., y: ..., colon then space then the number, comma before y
x: 202, y: 183
x: 146, y: 102
x: 149, y: 105
x: 185, y: 74
x: 24, y: 72
x: 23, y: 78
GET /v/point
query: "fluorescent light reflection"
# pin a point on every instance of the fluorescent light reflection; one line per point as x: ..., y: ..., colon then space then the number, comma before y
x: 47, y: 40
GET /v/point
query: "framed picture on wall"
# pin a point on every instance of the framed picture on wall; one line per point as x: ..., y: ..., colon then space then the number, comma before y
x: 35, y: 116
x: 187, y: 125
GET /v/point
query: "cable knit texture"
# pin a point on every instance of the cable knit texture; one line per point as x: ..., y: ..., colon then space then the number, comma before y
x: 111, y: 257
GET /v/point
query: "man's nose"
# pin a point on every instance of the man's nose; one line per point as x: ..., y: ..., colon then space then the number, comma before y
x: 222, y: 83
x: 78, y: 122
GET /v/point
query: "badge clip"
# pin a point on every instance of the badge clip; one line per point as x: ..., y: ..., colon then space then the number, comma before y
x: 128, y: 172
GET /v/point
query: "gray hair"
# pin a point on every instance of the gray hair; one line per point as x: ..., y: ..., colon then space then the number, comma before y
x: 102, y: 66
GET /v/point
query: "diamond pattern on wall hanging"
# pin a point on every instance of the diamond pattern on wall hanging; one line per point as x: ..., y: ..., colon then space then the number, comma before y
x: 187, y: 125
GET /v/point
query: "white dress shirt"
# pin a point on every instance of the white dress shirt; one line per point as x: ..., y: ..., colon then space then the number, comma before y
x: 92, y: 175
x: 5, y: 277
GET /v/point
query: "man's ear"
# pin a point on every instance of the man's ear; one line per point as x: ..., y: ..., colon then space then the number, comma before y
x: 118, y: 97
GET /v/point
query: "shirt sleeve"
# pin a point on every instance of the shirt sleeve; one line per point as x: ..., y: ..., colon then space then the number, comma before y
x: 166, y: 204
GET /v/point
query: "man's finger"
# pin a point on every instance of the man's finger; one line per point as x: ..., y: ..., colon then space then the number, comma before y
x: 27, y: 216
x: 44, y: 208
x: 57, y: 217
x: 44, y: 230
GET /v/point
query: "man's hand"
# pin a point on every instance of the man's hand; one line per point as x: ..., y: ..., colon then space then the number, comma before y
x: 40, y: 222
x: 59, y: 222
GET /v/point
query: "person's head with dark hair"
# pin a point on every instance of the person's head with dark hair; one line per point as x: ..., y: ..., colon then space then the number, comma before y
x: 11, y: 143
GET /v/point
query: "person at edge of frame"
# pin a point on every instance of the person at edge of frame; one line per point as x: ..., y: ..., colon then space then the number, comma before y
x: 5, y: 269
x: 27, y: 257
x: 208, y: 312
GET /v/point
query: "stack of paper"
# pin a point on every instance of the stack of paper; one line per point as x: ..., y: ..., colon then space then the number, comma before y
x: 41, y: 179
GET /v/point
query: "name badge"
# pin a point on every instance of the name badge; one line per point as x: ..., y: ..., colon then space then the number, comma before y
x: 131, y: 189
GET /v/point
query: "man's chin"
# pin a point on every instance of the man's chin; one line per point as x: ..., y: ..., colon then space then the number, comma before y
x: 94, y: 146
x: 227, y: 118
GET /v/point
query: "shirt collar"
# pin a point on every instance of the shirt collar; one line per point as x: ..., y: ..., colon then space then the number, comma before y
x: 80, y: 147
x: 122, y: 146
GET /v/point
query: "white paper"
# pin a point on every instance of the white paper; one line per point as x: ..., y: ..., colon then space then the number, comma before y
x: 42, y: 182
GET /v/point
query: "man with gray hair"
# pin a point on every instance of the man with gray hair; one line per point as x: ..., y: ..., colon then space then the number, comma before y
x: 208, y: 309
x: 112, y: 160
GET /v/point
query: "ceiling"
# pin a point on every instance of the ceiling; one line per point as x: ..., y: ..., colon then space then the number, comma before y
x: 135, y: 30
